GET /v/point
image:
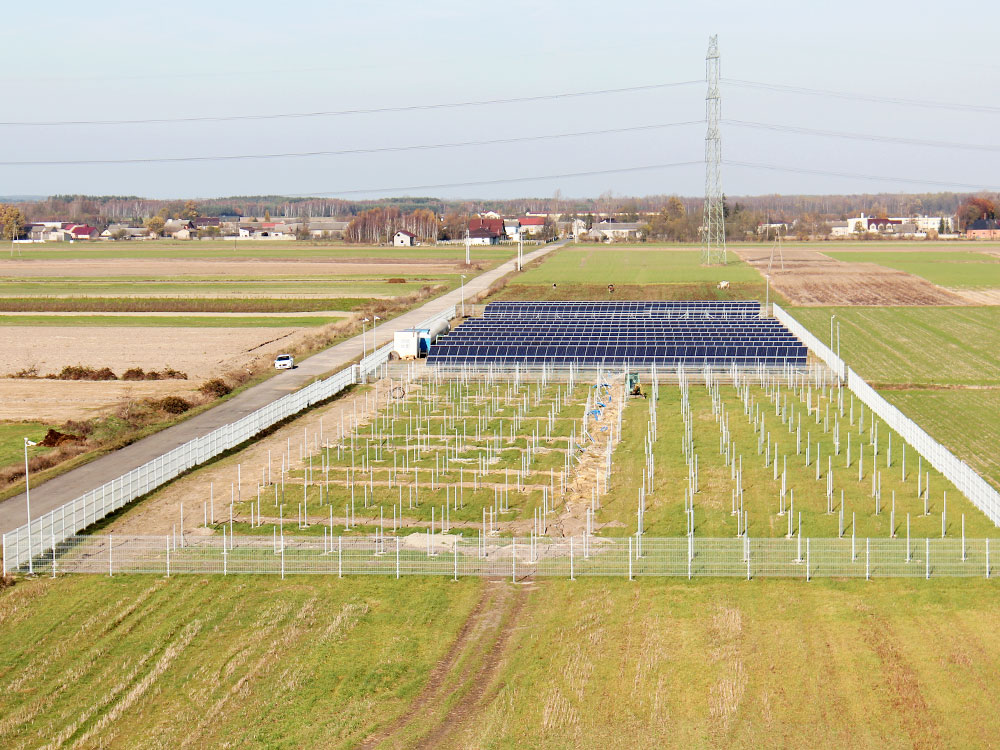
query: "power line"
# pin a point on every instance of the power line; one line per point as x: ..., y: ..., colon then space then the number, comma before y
x: 853, y: 175
x: 348, y: 112
x: 861, y: 97
x: 502, y: 181
x: 862, y: 136
x: 348, y: 151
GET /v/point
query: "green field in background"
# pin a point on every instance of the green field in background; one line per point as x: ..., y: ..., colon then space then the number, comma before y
x: 623, y: 264
x: 942, y: 345
x: 12, y: 436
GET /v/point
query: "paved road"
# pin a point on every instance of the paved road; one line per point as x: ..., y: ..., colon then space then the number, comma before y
x: 74, y: 483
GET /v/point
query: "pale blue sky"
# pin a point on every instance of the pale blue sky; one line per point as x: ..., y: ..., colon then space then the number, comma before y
x: 107, y: 60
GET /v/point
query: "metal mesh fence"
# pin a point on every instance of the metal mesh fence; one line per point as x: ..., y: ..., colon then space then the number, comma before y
x: 59, y: 525
x: 519, y: 558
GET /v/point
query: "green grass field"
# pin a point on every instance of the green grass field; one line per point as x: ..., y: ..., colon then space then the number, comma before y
x: 167, y: 321
x: 135, y: 661
x: 940, y: 345
x: 957, y: 268
x: 623, y: 264
x: 12, y: 436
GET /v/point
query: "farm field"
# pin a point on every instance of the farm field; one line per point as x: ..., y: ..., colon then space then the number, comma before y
x: 628, y: 264
x: 167, y: 321
x: 967, y: 421
x: 261, y: 662
x: 958, y: 268
x: 914, y: 345
x: 209, y: 249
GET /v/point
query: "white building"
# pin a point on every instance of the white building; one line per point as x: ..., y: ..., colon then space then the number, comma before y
x: 402, y: 238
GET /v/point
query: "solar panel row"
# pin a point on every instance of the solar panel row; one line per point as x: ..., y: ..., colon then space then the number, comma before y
x: 643, y: 332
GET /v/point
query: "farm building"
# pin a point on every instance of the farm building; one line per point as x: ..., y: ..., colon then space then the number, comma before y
x: 402, y: 238
x: 983, y: 229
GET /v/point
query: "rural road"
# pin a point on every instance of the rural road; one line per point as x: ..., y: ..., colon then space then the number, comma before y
x: 72, y: 484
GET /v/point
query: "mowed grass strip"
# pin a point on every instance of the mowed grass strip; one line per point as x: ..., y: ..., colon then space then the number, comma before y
x: 957, y: 269
x: 633, y: 264
x: 925, y: 345
x: 722, y: 663
x: 204, y: 661
x: 166, y: 321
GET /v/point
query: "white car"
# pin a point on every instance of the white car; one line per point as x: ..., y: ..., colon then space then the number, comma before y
x: 284, y: 362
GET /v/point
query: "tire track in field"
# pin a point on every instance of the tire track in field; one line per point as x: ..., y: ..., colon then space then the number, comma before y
x: 465, y: 672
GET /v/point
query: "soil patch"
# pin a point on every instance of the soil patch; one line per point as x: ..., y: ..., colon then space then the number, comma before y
x: 810, y: 278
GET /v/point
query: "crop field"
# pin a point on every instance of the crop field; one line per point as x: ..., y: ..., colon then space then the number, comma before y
x: 914, y: 345
x: 219, y: 249
x: 135, y: 661
x: 618, y: 264
x: 954, y: 269
x: 169, y: 321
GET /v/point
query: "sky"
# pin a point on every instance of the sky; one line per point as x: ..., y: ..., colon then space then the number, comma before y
x: 103, y: 61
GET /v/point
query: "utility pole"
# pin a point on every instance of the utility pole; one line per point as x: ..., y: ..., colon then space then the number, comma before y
x: 520, y: 249
x: 468, y: 245
x: 713, y: 220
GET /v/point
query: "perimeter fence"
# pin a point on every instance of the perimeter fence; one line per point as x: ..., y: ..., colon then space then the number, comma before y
x: 61, y: 524
x: 519, y: 558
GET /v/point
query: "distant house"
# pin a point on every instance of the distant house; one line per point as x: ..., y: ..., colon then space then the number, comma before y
x: 130, y: 233
x: 328, y: 228
x: 483, y: 236
x: 402, y: 238
x: 171, y: 228
x: 983, y: 229
x: 494, y: 225
x: 82, y: 232
x: 532, y: 224
x: 204, y: 222
x: 610, y: 231
x: 512, y: 228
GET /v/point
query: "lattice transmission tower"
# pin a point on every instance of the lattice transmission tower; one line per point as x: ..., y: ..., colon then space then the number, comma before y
x: 713, y: 222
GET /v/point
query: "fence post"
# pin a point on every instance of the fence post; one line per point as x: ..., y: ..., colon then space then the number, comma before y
x: 867, y: 559
x: 455, y: 575
x: 167, y: 540
x: 513, y: 559
x: 571, y: 559
x: 110, y: 573
x: 282, y: 561
x: 807, y: 559
x: 340, y: 557
x: 927, y: 558
x: 987, y: 557
x: 397, y: 558
x: 630, y: 558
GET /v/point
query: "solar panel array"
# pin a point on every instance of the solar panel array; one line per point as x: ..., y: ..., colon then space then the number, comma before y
x: 709, y: 332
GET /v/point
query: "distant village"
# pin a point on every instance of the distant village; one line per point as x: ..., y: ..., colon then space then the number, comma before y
x: 491, y: 228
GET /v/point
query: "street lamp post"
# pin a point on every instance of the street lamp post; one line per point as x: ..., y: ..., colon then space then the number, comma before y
x: 831, y: 330
x: 364, y: 338
x: 27, y: 500
x: 463, y: 295
x: 375, y: 319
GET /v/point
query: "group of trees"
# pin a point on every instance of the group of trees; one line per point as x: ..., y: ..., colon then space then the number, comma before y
x: 377, y: 225
x: 975, y: 208
x: 12, y: 222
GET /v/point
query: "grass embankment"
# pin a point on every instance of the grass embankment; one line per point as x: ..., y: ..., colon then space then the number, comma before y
x: 959, y: 268
x: 12, y: 436
x: 204, y: 661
